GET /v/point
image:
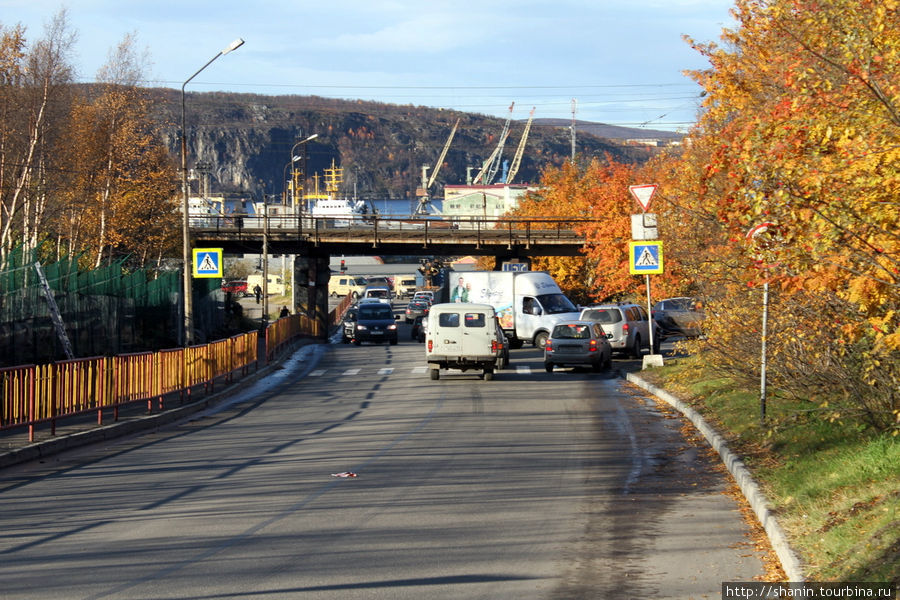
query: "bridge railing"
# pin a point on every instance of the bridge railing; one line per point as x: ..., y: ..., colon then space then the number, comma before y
x: 518, y: 228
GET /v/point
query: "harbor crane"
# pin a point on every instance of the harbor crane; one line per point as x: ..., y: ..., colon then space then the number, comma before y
x: 492, y: 164
x: 422, y: 208
x: 517, y: 160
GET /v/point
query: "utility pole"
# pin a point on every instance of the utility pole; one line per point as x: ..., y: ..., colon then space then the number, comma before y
x: 572, y: 129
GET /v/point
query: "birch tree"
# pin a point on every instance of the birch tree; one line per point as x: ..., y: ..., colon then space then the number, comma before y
x: 35, y: 86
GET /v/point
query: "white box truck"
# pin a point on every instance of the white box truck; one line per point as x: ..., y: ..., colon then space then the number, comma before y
x: 528, y: 303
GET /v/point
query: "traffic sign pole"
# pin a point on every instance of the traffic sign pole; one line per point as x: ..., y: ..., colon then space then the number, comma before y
x: 646, y: 257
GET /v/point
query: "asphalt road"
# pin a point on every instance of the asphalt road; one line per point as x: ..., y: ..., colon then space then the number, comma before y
x: 534, y: 485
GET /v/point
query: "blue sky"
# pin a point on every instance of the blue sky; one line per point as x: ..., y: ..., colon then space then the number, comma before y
x: 621, y: 60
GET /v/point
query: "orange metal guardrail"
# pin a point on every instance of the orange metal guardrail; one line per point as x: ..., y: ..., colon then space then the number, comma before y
x: 35, y: 394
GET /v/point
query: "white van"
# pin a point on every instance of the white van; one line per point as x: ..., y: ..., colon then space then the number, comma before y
x: 462, y: 336
x: 341, y: 285
x: 379, y: 292
x: 276, y: 284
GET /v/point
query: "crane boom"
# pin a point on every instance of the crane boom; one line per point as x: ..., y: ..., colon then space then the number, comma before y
x: 517, y: 160
x: 440, y: 161
x: 492, y: 165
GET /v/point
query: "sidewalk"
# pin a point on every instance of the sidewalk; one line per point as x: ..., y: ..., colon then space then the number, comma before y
x: 80, y: 430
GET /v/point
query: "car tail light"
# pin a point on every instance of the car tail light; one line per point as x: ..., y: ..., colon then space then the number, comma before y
x: 548, y: 346
x: 592, y: 347
x: 495, y: 347
x: 430, y: 345
x: 625, y: 328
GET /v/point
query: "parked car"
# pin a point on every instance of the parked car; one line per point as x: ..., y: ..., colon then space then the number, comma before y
x: 419, y: 328
x: 237, y: 287
x: 627, y: 327
x: 416, y: 308
x: 375, y: 322
x: 577, y: 343
x: 679, y: 316
x: 275, y: 285
x: 348, y: 325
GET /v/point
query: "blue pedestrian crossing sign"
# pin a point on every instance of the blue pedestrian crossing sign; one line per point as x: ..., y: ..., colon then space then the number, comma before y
x: 645, y: 258
x: 207, y: 262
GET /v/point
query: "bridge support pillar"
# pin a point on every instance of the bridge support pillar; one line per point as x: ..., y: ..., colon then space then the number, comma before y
x: 311, y: 274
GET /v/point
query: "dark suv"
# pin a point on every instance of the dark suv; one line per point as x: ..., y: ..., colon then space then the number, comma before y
x: 375, y: 322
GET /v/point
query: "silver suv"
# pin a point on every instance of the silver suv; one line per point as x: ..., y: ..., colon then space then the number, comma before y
x: 626, y: 327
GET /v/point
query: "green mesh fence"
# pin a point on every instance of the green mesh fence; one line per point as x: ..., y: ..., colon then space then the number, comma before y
x: 109, y: 310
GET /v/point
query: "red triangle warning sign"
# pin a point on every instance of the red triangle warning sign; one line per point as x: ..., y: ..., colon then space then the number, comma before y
x: 643, y: 194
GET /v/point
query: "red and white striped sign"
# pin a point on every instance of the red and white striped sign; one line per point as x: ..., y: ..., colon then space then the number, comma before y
x: 643, y: 194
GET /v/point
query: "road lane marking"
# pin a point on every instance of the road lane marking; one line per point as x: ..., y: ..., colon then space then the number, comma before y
x: 523, y: 369
x: 317, y: 373
x: 386, y: 371
x: 352, y: 372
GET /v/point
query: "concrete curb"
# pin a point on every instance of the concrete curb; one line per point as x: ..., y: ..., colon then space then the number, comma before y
x: 791, y: 564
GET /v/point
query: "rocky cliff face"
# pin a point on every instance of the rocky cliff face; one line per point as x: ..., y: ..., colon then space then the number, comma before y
x: 245, y: 142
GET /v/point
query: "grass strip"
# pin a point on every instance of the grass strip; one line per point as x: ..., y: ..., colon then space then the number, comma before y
x: 835, y: 485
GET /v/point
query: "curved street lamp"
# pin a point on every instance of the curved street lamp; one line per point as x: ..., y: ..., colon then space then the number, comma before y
x: 185, y: 225
x: 295, y: 158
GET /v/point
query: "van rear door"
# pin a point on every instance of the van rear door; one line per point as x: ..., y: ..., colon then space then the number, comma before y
x: 478, y: 333
x: 446, y: 332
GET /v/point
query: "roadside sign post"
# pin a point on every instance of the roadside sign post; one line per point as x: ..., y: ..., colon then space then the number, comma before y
x: 753, y: 236
x: 645, y: 256
x: 207, y: 262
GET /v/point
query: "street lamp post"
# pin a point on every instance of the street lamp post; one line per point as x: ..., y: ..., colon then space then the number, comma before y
x: 185, y: 225
x: 297, y: 213
x: 294, y: 182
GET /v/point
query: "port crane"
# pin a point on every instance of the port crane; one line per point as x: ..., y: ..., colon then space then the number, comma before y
x: 517, y: 160
x: 422, y: 208
x: 492, y: 164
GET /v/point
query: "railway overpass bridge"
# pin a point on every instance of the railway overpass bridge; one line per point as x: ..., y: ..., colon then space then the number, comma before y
x: 313, y: 240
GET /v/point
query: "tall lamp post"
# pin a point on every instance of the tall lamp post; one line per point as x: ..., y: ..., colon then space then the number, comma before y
x: 185, y: 225
x: 295, y: 158
x: 298, y: 213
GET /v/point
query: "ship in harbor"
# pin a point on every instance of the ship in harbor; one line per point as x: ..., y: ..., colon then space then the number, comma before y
x: 341, y: 211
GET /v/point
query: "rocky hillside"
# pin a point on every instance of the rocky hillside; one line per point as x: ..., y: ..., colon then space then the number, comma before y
x: 245, y: 141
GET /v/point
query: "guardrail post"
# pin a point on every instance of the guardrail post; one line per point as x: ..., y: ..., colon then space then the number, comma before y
x: 31, y: 401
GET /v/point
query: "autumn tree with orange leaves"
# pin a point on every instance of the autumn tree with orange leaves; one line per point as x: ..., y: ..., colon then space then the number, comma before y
x: 598, y: 191
x: 801, y: 129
